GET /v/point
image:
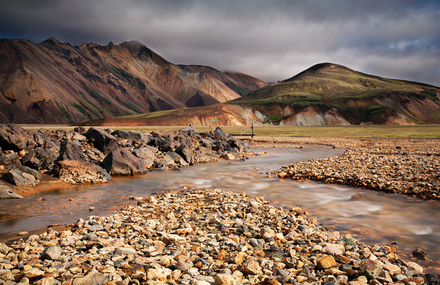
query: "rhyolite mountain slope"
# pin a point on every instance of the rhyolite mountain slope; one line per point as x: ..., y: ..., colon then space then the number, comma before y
x: 54, y: 82
x: 325, y: 94
x: 331, y: 94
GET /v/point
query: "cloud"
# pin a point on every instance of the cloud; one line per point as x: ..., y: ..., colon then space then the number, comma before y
x: 272, y: 40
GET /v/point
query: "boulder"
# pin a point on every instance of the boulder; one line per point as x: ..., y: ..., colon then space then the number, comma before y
x: 14, y: 138
x: 147, y: 154
x: 122, y: 162
x: 170, y: 160
x: 222, y: 146
x: 71, y: 151
x: 24, y: 176
x: 187, y: 153
x: 7, y: 193
x: 188, y: 131
x: 74, y: 171
x: 219, y: 134
x: 102, y: 140
x: 9, y: 160
x: 39, y: 138
x: 40, y: 158
x: 135, y: 137
x: 52, y: 144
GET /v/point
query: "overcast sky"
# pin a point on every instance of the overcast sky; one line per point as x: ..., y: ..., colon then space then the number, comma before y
x: 272, y: 40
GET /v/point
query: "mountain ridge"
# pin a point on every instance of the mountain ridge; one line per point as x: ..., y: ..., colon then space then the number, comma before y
x: 324, y: 94
x: 54, y: 82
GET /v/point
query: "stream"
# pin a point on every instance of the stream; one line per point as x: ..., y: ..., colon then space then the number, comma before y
x: 369, y: 216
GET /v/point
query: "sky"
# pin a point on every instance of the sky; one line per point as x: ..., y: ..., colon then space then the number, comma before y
x: 270, y: 39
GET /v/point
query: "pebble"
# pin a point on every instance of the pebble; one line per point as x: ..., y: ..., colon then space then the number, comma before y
x: 200, y: 237
x: 403, y: 166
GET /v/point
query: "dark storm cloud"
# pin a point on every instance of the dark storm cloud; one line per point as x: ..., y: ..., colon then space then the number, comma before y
x: 272, y: 40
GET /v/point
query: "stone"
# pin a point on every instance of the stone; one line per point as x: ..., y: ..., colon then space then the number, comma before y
x: 40, y: 158
x: 24, y: 176
x: 146, y: 154
x: 33, y: 273
x: 224, y: 279
x: 52, y: 252
x: 134, y: 137
x: 122, y: 162
x: 7, y: 193
x: 13, y: 137
x: 157, y: 273
x: 370, y: 268
x: 228, y: 156
x: 420, y: 254
x: 102, y: 140
x: 73, y: 171
x: 93, y: 277
x: 4, y: 248
x: 9, y: 160
x: 125, y: 250
x: 71, y: 151
x: 326, y: 262
x: 188, y: 131
x: 39, y: 138
x: 415, y: 267
x: 251, y: 267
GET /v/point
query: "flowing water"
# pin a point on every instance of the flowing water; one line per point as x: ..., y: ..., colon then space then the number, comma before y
x: 370, y: 216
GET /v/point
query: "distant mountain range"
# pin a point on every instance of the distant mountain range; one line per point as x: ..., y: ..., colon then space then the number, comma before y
x: 129, y: 84
x: 54, y: 82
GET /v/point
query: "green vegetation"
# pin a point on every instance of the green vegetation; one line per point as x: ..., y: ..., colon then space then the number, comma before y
x: 95, y: 94
x: 358, y: 97
x: 66, y: 114
x: 94, y: 109
x: 82, y: 110
x: 126, y: 76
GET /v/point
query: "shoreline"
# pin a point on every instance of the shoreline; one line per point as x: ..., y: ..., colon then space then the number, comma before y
x: 207, y: 236
x: 396, y: 166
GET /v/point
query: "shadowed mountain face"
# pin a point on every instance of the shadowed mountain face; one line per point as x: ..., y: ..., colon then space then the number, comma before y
x: 331, y: 94
x: 55, y: 82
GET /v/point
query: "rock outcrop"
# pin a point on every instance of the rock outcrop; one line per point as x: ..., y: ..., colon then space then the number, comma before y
x: 93, y: 155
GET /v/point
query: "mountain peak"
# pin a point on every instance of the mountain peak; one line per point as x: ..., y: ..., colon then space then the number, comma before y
x: 317, y: 68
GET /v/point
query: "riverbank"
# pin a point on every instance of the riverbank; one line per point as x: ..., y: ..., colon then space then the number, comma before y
x: 402, y: 166
x: 202, y: 237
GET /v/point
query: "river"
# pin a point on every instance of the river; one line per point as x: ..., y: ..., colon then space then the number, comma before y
x: 370, y: 216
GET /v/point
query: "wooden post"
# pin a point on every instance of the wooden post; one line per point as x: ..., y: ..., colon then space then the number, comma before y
x: 252, y: 127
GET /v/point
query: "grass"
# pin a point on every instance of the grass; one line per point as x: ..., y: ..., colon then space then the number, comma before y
x: 397, y: 132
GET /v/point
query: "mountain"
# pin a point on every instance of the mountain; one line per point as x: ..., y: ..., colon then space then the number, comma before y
x: 331, y: 94
x: 325, y: 94
x: 54, y: 82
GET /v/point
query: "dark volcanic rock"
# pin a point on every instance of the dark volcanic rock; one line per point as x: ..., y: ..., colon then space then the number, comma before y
x: 133, y: 136
x: 188, y: 131
x: 122, y: 162
x: 73, y: 171
x: 146, y: 154
x: 40, y: 158
x: 7, y: 193
x: 71, y: 151
x: 24, y: 176
x: 13, y: 137
x: 8, y: 160
x: 39, y: 138
x: 102, y: 140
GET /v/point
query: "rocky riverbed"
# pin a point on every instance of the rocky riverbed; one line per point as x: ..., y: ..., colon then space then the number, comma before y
x: 403, y: 166
x: 202, y: 237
